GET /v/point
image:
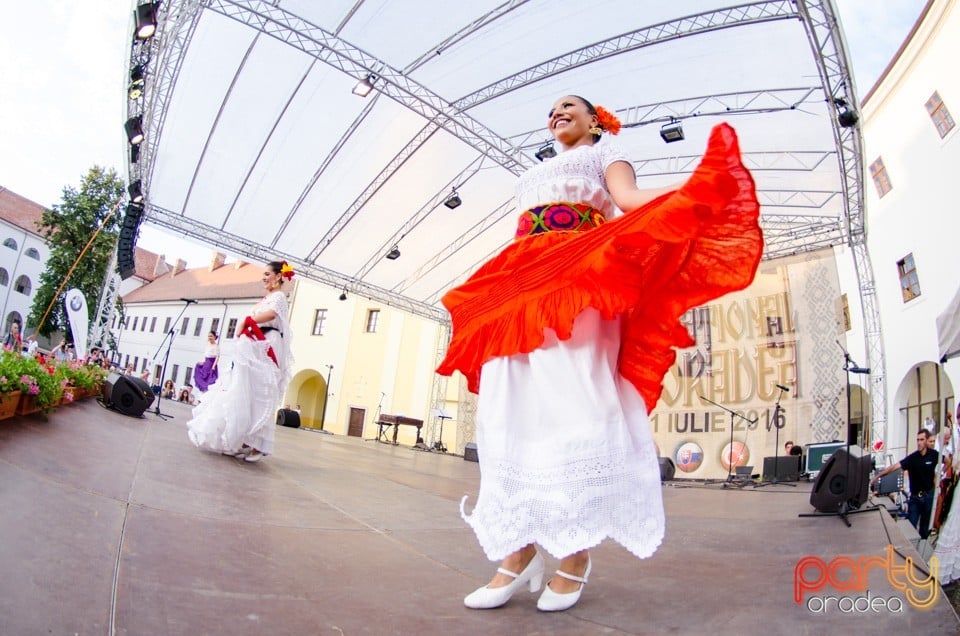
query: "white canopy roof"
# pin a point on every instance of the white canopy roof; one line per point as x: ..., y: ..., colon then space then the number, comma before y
x: 255, y: 143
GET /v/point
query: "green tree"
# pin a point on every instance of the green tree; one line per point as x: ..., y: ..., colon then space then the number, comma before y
x: 67, y: 227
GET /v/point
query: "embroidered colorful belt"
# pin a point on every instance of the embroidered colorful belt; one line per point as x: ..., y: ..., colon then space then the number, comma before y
x: 559, y: 217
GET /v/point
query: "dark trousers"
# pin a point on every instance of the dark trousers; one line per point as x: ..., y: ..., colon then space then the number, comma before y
x: 919, y: 509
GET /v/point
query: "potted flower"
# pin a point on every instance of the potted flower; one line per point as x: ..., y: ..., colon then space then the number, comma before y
x: 39, y: 389
x: 9, y: 388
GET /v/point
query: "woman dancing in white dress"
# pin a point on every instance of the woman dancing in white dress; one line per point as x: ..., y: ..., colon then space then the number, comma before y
x: 574, y: 325
x: 237, y: 417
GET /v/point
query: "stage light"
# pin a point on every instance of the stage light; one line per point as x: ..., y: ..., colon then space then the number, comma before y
x: 136, y: 195
x: 137, y: 82
x: 365, y: 85
x: 134, y: 130
x: 134, y: 154
x: 672, y: 131
x: 394, y: 253
x: 343, y: 296
x: 145, y: 17
x: 546, y: 151
x: 453, y: 201
x: 848, y: 118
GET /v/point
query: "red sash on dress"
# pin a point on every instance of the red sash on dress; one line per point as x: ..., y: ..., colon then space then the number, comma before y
x: 252, y: 330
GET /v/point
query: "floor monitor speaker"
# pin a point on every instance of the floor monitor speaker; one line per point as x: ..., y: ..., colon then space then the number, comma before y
x: 470, y: 453
x: 667, y: 469
x: 288, y: 417
x: 843, y: 481
x: 127, y: 394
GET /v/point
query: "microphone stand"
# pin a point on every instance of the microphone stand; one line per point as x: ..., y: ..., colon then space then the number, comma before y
x: 849, y: 366
x: 730, y: 459
x: 776, y: 448
x: 168, y: 339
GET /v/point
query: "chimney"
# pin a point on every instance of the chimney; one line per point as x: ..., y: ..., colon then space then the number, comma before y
x: 161, y: 267
x: 239, y: 264
x: 179, y: 267
x: 216, y: 260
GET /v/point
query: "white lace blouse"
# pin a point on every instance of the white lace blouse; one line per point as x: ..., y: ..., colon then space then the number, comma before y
x: 277, y: 301
x: 576, y: 175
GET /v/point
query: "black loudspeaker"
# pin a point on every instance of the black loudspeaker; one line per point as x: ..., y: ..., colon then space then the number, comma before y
x: 287, y: 417
x: 667, y: 469
x: 786, y: 468
x: 127, y: 394
x: 470, y: 453
x: 843, y: 481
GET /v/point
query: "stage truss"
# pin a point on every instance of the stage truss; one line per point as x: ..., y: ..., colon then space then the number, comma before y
x: 801, y: 211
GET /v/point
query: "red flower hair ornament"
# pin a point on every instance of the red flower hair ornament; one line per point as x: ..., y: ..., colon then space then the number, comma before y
x: 286, y: 271
x: 608, y: 121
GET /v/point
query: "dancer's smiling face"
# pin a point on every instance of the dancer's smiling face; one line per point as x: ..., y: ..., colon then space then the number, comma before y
x: 570, y: 120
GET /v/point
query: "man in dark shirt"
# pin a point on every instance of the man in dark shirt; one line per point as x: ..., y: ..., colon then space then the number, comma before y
x: 921, y: 467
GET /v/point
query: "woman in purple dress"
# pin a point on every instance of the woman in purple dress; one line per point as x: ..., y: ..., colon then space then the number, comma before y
x: 205, y: 373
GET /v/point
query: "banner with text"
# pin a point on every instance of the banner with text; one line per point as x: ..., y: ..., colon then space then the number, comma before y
x: 783, y: 330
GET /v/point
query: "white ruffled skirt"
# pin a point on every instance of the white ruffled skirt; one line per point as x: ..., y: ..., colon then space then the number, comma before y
x: 948, y: 545
x: 566, y: 454
x: 241, y: 408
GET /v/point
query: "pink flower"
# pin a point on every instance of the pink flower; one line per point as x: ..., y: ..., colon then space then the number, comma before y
x: 34, y: 389
x: 68, y: 396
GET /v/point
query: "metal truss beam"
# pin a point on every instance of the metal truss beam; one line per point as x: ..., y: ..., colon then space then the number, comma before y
x: 795, y: 198
x: 106, y: 305
x: 344, y: 139
x: 327, y: 48
x: 480, y: 23
x: 753, y: 13
x: 438, y: 392
x: 175, y: 29
x: 770, y: 100
x: 257, y: 252
x: 372, y: 188
x: 418, y: 217
x: 820, y: 21
x: 485, y: 223
x: 782, y: 161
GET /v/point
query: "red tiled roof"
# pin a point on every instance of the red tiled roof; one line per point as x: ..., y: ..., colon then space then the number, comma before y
x: 146, y: 264
x: 227, y: 281
x: 20, y: 211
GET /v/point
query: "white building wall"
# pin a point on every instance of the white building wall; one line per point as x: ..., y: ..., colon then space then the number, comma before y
x: 18, y: 263
x: 921, y: 214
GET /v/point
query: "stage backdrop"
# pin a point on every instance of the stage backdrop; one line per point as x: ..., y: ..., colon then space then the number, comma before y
x: 784, y: 329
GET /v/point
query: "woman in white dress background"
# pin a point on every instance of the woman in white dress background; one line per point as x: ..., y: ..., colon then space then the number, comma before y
x: 574, y: 326
x: 238, y: 415
x: 947, y: 550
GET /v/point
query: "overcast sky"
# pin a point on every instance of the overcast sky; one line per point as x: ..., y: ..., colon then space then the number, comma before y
x: 63, y: 74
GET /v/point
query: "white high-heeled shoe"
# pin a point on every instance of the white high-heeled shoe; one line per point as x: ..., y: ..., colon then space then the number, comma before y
x: 551, y: 601
x: 491, y: 597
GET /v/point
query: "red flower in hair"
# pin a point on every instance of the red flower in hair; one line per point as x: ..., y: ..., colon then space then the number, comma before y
x: 286, y: 271
x: 608, y: 121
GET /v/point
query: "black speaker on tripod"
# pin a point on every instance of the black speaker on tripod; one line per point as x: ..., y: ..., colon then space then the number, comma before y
x: 126, y: 394
x: 843, y: 481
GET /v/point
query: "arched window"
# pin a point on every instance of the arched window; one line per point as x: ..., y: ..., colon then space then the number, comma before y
x: 33, y: 253
x: 4, y: 277
x: 10, y: 243
x: 12, y: 317
x: 23, y: 285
